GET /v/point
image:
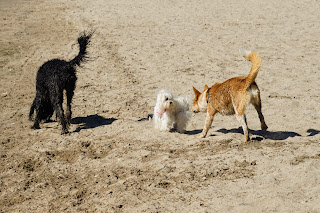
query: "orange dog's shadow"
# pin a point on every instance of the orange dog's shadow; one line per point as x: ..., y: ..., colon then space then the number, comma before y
x: 276, y: 135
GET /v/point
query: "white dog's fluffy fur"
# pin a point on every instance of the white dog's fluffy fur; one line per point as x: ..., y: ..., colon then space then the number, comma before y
x: 171, y: 112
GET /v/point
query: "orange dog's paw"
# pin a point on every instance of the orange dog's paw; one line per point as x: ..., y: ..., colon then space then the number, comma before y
x: 202, y: 135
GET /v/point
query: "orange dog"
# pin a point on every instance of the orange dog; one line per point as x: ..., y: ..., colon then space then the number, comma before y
x: 232, y: 97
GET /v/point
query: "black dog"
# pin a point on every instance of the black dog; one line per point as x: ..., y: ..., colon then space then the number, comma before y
x: 53, y: 78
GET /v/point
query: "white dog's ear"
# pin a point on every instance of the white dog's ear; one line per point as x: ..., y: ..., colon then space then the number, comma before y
x: 156, y: 92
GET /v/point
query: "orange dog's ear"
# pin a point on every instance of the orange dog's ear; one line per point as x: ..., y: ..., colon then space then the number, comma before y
x: 205, y: 87
x: 196, y: 92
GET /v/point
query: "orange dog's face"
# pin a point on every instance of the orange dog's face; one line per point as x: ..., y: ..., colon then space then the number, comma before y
x: 200, y: 100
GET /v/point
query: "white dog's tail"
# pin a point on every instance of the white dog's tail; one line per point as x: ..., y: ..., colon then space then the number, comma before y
x: 256, y: 64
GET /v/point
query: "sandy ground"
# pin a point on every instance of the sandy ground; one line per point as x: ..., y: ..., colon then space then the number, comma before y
x: 113, y: 160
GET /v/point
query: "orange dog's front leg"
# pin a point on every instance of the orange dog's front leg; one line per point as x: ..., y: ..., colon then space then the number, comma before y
x: 207, y: 124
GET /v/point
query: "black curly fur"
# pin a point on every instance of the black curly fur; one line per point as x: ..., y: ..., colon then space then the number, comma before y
x: 53, y: 78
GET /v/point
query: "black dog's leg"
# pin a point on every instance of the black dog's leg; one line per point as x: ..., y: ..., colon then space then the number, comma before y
x: 60, y: 114
x: 56, y: 100
x: 33, y: 106
x: 48, y: 110
x: 70, y: 93
x: 37, y: 105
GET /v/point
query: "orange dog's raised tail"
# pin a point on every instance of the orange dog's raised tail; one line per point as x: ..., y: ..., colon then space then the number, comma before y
x: 256, y: 64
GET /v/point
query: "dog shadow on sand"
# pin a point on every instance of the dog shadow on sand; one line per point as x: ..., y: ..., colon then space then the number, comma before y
x: 313, y: 132
x: 275, y: 135
x: 258, y: 135
x: 91, y: 121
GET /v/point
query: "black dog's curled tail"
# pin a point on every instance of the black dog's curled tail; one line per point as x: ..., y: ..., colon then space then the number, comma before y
x: 83, y: 40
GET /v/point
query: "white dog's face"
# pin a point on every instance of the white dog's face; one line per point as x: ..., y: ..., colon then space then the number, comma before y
x: 165, y: 100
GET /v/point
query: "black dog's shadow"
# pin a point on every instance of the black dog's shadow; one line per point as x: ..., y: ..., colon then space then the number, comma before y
x: 313, y: 132
x: 91, y: 121
x: 279, y: 135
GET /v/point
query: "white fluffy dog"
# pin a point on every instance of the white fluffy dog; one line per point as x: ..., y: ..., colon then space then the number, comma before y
x: 171, y: 112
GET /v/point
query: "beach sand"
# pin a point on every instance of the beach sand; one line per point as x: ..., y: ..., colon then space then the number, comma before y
x: 113, y: 160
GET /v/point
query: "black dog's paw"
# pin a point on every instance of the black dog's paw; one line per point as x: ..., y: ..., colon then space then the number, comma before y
x: 35, y: 127
x: 64, y: 132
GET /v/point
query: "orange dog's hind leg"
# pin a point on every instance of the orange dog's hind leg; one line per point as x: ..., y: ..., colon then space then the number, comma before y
x: 243, y: 121
x: 239, y: 108
x: 256, y: 102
